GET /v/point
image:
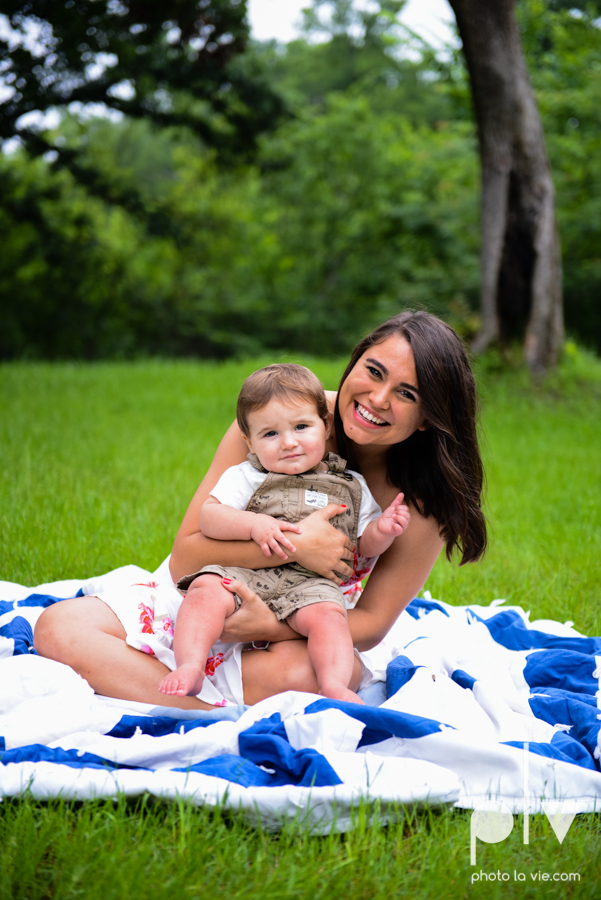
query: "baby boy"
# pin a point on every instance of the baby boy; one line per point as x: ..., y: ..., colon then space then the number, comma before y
x: 284, y: 419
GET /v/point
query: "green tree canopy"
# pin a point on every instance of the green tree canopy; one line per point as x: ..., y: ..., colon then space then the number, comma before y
x: 177, y: 64
x: 363, y: 201
x: 363, y: 52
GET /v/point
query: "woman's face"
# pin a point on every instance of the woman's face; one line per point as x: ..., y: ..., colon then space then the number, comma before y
x: 379, y: 402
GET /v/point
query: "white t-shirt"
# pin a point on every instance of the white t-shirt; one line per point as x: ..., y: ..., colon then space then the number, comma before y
x: 237, y: 485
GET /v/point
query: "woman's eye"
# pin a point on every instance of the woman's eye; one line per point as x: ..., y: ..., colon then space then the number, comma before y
x: 407, y: 394
x: 375, y: 372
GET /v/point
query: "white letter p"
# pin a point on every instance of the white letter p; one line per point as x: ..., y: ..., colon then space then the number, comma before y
x: 492, y: 822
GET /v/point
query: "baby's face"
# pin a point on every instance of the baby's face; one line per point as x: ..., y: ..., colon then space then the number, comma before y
x: 288, y: 438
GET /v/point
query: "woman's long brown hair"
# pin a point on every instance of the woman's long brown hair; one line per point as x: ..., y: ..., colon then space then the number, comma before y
x: 440, y: 469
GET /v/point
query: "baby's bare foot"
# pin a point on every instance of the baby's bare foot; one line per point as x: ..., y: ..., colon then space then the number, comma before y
x: 335, y: 692
x: 186, y: 680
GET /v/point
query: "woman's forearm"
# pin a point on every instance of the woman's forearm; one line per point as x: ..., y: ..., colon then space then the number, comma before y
x: 365, y: 628
x: 319, y: 547
x: 193, y: 551
x: 398, y: 577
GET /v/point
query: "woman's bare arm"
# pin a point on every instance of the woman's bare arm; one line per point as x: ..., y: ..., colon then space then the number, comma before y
x: 320, y: 547
x: 191, y: 550
x: 399, y: 575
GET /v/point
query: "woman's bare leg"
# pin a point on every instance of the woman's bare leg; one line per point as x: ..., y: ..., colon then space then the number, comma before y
x: 85, y: 633
x: 284, y: 666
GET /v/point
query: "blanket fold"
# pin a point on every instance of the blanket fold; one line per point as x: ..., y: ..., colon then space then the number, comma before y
x: 471, y: 699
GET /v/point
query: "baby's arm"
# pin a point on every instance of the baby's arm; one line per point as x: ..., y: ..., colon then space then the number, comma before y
x: 380, y: 533
x: 225, y: 523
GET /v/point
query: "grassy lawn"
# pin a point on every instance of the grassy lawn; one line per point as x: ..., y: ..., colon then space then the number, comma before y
x: 98, y: 464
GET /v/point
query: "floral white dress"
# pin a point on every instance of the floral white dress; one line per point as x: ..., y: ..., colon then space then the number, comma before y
x: 148, y: 612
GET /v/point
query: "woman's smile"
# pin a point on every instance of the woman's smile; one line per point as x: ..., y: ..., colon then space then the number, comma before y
x: 363, y: 413
x: 379, y: 402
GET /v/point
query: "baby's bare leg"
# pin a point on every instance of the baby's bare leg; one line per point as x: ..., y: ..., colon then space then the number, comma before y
x: 330, y: 647
x: 199, y: 623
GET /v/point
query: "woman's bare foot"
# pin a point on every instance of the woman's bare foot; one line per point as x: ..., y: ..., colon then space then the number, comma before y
x: 184, y: 681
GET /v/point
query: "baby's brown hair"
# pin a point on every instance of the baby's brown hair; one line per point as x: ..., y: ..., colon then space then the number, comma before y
x: 283, y: 381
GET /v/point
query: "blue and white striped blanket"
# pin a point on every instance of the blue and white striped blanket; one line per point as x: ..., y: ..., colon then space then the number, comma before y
x: 476, y: 703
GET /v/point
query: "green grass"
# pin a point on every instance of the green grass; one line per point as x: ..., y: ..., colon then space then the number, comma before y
x: 541, y: 447
x: 98, y: 464
x: 107, y: 850
x: 100, y: 461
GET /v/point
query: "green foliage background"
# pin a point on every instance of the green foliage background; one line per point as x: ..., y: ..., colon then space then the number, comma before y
x: 363, y: 200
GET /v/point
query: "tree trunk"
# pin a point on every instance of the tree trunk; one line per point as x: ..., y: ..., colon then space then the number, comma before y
x: 520, y: 259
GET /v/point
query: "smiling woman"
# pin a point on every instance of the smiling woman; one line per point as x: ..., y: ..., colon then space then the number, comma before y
x: 380, y: 395
x: 409, y: 388
x: 404, y: 420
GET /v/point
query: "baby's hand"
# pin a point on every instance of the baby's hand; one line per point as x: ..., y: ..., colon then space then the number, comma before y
x: 395, y: 518
x: 267, y: 533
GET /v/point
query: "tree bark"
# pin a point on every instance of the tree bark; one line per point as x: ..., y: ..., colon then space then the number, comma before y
x: 521, y: 290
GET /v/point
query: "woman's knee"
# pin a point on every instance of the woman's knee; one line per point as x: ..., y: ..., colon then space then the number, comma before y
x: 295, y: 671
x: 293, y: 666
x: 49, y: 631
x: 283, y: 667
x: 65, y: 628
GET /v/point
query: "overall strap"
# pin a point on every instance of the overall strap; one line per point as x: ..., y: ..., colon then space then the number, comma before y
x: 335, y: 463
x: 254, y: 461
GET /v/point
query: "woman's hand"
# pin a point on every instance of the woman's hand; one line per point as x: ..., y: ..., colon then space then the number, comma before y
x: 322, y: 548
x: 319, y: 547
x: 254, y: 621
